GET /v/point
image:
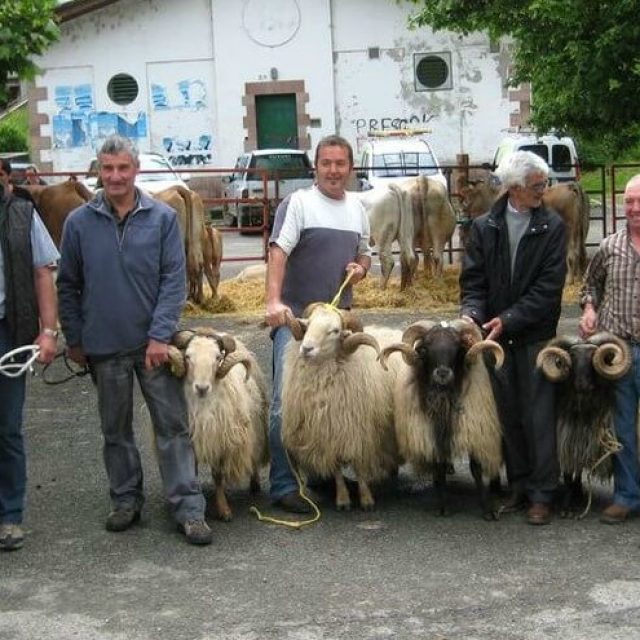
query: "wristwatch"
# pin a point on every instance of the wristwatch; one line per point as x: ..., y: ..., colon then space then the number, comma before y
x: 52, y: 333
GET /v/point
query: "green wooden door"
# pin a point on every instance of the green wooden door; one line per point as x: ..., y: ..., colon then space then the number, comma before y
x: 276, y: 121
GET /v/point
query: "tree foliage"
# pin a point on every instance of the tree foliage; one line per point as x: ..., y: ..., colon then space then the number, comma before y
x: 582, y: 58
x: 27, y: 28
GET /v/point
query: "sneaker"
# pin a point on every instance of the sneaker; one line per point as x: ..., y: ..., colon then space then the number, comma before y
x: 121, y: 519
x: 196, y: 532
x: 11, y: 536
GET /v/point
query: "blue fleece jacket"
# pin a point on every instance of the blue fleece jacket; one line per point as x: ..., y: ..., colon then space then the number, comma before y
x: 117, y: 290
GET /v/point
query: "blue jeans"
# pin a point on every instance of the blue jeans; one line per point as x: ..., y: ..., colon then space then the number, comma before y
x: 626, y: 468
x: 280, y: 475
x: 167, y: 406
x: 13, y: 459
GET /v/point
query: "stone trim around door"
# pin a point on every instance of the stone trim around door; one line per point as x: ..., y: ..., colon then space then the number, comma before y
x: 253, y: 89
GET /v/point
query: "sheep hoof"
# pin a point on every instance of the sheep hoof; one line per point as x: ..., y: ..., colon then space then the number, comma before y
x: 225, y: 517
x: 491, y: 516
x: 343, y: 506
x: 368, y: 506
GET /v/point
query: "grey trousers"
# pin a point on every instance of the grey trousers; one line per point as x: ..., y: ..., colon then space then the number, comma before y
x: 166, y: 403
x: 526, y: 404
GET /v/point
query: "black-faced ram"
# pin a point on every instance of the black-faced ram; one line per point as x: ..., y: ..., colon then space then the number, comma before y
x: 444, y: 405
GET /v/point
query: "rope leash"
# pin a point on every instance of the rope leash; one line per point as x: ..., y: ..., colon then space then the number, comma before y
x: 12, y: 369
x: 73, y: 372
x: 298, y: 524
x: 611, y: 446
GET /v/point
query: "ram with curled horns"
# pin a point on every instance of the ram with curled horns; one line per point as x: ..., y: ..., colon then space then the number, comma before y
x: 444, y: 405
x: 337, y: 401
x: 227, y: 407
x: 585, y: 373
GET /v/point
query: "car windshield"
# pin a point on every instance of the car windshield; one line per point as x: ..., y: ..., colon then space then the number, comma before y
x: 155, y: 164
x: 285, y: 165
x: 404, y: 163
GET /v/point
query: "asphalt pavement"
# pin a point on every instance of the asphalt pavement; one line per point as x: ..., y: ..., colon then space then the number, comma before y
x: 399, y: 572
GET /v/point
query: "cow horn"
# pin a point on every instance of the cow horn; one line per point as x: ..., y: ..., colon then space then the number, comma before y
x: 612, y: 358
x: 416, y: 331
x: 181, y: 338
x: 409, y: 354
x: 297, y: 326
x: 483, y: 345
x: 231, y: 360
x: 176, y: 362
x: 555, y: 363
x: 352, y: 341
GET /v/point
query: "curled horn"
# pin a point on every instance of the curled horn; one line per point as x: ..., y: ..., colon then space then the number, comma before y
x: 416, y: 331
x: 409, y: 354
x: 612, y: 358
x: 181, y: 338
x: 232, y: 359
x: 355, y: 340
x: 483, y: 345
x: 555, y: 362
x: 469, y: 332
x: 310, y: 308
x: 350, y: 321
x: 226, y: 343
x: 176, y: 362
x: 297, y: 326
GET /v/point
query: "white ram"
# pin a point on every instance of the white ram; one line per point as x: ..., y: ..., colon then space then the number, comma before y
x: 227, y: 408
x: 337, y: 401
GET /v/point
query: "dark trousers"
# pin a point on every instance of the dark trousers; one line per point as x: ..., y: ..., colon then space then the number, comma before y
x: 526, y: 404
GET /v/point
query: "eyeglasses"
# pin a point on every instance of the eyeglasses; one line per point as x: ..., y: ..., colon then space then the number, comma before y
x: 538, y: 187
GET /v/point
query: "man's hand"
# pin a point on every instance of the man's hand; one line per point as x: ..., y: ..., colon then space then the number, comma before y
x: 358, y: 270
x: 77, y: 355
x: 157, y: 354
x: 275, y: 315
x: 493, y: 327
x: 588, y: 321
x: 48, y: 347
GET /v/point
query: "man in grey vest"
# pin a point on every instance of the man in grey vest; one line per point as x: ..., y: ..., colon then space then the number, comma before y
x: 28, y: 315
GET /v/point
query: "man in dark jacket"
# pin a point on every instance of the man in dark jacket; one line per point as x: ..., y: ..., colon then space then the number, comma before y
x: 122, y: 286
x: 511, y: 285
x: 28, y: 315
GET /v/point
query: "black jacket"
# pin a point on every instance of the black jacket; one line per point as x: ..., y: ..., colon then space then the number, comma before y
x: 21, y: 305
x: 528, y: 304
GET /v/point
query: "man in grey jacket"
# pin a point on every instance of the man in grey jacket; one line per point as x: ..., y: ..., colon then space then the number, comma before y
x: 121, y: 288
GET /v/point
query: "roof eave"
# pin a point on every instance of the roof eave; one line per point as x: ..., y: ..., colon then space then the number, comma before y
x: 76, y: 8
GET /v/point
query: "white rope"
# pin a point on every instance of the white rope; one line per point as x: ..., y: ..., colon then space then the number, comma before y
x: 17, y: 369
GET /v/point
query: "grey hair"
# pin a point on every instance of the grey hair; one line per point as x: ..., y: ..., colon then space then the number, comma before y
x: 116, y: 144
x: 514, y: 169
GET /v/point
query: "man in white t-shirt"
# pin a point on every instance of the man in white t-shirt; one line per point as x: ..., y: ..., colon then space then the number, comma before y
x: 320, y: 235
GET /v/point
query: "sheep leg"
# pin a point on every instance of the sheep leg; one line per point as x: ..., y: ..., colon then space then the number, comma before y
x: 222, y: 506
x: 440, y: 484
x: 489, y: 512
x: 254, y: 483
x: 572, y: 494
x: 367, y: 503
x: 343, y: 500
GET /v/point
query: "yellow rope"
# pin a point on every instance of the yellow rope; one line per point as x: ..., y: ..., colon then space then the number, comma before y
x: 298, y: 524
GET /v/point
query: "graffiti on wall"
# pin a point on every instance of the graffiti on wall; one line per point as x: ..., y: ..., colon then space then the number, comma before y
x: 76, y: 123
x: 390, y: 123
x: 185, y: 140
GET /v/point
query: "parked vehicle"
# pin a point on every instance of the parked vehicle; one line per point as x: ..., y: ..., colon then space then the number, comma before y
x: 559, y: 153
x: 280, y: 171
x: 393, y: 156
x: 156, y: 174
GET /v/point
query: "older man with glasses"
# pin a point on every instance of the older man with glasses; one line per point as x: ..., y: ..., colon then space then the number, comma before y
x: 511, y: 285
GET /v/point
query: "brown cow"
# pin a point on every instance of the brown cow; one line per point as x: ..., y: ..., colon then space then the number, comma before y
x: 434, y: 220
x: 568, y: 199
x: 55, y: 202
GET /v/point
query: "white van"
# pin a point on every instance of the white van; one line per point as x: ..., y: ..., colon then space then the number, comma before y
x: 559, y: 153
x: 393, y: 156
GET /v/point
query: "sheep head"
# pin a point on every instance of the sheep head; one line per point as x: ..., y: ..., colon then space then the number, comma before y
x: 327, y: 332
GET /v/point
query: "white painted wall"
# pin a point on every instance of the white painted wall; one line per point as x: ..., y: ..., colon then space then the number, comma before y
x: 217, y: 46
